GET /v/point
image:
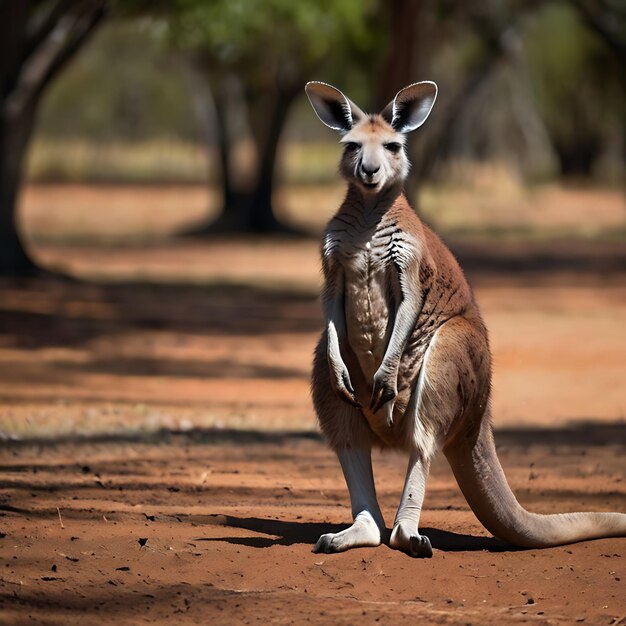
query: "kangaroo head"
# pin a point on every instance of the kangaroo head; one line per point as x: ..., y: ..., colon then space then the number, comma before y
x: 374, y: 157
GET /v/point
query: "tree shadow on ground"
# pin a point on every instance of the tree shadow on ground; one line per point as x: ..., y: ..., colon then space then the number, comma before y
x: 580, y: 433
x: 61, y: 371
x: 36, y: 314
x: 573, y: 260
x: 123, y: 600
x: 164, y: 436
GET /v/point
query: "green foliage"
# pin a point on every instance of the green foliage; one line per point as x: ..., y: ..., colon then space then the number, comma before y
x: 125, y: 85
x: 575, y: 80
x: 241, y: 33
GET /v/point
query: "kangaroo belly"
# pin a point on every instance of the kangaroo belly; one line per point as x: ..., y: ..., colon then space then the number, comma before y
x: 368, y: 319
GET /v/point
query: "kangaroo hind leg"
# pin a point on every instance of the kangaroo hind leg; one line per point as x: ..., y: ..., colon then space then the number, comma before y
x: 405, y: 535
x: 452, y: 385
x: 368, y: 526
x: 346, y: 431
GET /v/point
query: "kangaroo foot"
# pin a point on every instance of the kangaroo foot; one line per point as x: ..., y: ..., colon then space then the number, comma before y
x: 414, y: 544
x: 363, y: 533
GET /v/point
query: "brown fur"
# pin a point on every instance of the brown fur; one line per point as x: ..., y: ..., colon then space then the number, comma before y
x: 404, y: 361
x: 462, y: 349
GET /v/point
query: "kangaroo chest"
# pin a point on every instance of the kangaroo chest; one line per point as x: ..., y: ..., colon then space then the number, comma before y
x: 368, y: 308
x: 371, y: 292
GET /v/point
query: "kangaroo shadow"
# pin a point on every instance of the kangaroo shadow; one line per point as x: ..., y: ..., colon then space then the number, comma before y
x: 285, y: 533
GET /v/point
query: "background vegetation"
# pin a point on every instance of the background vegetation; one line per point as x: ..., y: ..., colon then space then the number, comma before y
x: 554, y: 108
x: 211, y: 93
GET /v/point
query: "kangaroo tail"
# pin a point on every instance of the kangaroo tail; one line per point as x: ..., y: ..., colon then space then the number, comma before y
x: 478, y: 471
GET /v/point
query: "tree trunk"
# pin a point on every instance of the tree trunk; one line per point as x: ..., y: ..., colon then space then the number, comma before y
x: 261, y: 209
x: 35, y: 44
x: 235, y: 186
x: 410, y: 25
x: 15, y: 131
x: 248, y: 201
x: 400, y: 64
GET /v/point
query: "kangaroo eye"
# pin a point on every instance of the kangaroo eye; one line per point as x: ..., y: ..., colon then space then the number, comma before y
x: 351, y: 146
x: 393, y: 147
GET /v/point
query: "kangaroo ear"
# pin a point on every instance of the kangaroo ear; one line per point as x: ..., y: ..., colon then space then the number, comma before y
x: 332, y: 107
x: 411, y: 106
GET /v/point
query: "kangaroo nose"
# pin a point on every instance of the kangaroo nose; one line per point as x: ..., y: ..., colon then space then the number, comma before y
x: 369, y: 170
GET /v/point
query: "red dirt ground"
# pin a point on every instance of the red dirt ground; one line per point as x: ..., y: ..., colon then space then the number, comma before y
x: 160, y: 461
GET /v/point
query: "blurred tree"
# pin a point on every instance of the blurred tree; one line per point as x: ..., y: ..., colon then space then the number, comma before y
x: 510, y: 81
x: 490, y: 35
x: 37, y: 40
x: 407, y: 55
x: 579, y: 81
x: 255, y: 58
x: 126, y: 86
x: 482, y: 34
x: 607, y: 18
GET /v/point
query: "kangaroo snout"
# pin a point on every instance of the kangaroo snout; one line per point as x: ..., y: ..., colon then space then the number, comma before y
x: 369, y: 169
x: 369, y: 174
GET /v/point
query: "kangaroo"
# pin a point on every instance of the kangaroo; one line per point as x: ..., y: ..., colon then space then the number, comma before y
x: 404, y: 360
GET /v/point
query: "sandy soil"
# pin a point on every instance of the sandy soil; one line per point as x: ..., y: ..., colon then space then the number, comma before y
x: 216, y: 527
x: 160, y: 461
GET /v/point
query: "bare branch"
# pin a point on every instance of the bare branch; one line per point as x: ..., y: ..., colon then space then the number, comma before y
x: 84, y: 28
x: 53, y: 53
x: 40, y: 29
x: 604, y: 22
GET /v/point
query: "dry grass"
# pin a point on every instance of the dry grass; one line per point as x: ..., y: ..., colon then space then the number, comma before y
x: 150, y: 162
x: 162, y: 161
x: 152, y: 189
x: 488, y: 208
